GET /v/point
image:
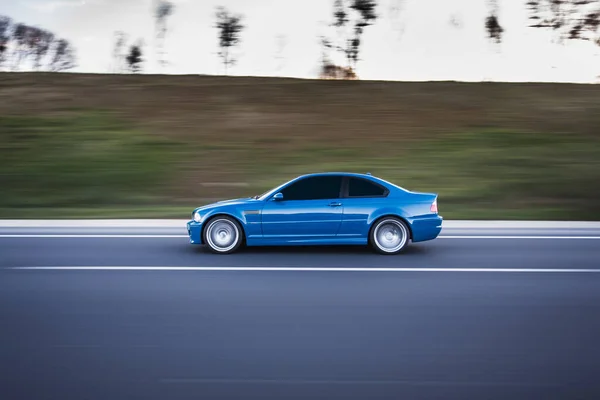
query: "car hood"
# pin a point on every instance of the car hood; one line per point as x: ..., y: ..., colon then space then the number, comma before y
x: 231, y: 202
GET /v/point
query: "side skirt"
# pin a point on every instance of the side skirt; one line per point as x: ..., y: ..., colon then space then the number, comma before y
x: 259, y: 241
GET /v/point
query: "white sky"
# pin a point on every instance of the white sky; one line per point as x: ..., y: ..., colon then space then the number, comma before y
x: 421, y: 52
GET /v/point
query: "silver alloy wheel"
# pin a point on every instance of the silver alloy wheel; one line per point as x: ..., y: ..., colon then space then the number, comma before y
x: 390, y: 235
x: 222, y: 235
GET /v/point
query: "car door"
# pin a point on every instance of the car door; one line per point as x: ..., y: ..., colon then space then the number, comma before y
x: 311, y: 208
x: 361, y: 198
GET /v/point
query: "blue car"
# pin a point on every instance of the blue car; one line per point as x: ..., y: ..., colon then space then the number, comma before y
x: 320, y: 209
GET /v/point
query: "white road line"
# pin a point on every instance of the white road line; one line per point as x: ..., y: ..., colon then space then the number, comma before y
x: 124, y: 236
x: 263, y: 381
x: 310, y: 269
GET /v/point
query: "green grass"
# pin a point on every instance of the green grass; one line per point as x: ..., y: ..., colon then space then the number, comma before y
x: 82, y: 212
x: 82, y: 161
x: 92, y: 165
x: 509, y: 174
x: 79, y: 146
x: 480, y: 174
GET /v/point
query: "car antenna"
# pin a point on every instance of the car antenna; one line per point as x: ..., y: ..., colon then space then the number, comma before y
x: 368, y: 173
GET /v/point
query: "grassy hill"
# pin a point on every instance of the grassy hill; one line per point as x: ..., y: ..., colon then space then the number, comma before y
x: 75, y: 145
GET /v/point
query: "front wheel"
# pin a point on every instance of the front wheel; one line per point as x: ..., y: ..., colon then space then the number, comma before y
x: 223, y: 235
x: 389, y: 236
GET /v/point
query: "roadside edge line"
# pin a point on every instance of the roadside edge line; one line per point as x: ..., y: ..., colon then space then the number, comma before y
x: 302, y: 269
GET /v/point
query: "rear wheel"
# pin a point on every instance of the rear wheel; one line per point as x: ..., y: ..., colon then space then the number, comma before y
x: 389, y: 235
x: 223, y: 235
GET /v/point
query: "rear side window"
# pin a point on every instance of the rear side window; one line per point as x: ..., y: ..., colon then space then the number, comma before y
x: 314, y: 188
x: 362, y: 188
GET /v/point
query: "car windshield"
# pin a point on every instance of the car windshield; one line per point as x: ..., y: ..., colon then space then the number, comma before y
x: 271, y: 191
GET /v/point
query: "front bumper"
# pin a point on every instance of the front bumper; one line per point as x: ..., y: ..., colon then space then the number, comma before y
x: 195, y: 232
x: 426, y: 228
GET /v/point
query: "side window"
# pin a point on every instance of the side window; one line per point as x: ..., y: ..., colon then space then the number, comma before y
x: 363, y: 188
x: 315, y: 188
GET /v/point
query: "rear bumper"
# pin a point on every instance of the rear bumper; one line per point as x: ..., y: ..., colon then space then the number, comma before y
x: 194, y: 232
x: 426, y: 228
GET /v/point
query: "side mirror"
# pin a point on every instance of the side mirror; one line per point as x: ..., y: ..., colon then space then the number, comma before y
x: 278, y: 197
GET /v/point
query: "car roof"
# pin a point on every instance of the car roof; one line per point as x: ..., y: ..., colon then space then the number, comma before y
x: 365, y: 175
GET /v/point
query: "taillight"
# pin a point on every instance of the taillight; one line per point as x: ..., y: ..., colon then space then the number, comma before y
x: 434, y: 208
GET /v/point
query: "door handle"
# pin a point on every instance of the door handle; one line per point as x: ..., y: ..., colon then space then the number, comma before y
x: 335, y: 204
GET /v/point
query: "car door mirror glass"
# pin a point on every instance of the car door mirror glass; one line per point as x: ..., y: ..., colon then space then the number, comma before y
x: 278, y: 197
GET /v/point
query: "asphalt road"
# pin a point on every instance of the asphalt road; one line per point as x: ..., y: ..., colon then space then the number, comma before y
x: 499, y: 322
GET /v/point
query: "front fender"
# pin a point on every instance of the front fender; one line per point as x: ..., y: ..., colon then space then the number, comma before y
x: 234, y: 213
x: 248, y: 217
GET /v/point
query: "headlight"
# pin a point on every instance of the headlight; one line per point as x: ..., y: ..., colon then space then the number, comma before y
x: 197, y: 217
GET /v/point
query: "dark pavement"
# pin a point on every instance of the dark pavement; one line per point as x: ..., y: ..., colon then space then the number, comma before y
x: 298, y: 335
x: 176, y: 251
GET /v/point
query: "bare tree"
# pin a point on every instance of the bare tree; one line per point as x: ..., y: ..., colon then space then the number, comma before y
x: 5, y: 34
x: 32, y: 47
x: 162, y: 10
x: 41, y: 42
x: 229, y: 27
x: 30, y: 44
x: 21, y: 40
x: 492, y: 23
x: 63, y: 56
x: 569, y: 19
x: 330, y: 70
x: 118, y: 55
x: 351, y: 17
x: 326, y: 46
x: 134, y: 58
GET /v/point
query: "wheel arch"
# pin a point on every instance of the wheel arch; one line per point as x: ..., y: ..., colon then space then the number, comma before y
x: 222, y: 214
x: 387, y: 215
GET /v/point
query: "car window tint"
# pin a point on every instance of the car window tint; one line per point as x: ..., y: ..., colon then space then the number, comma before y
x: 315, y: 188
x: 363, y: 188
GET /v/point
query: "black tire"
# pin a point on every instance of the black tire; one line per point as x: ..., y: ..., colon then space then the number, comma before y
x: 389, y: 236
x: 223, y: 235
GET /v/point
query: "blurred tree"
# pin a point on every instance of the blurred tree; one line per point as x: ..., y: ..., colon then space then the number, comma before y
x: 325, y: 48
x: 569, y: 19
x: 492, y: 23
x: 119, y: 57
x: 350, y: 30
x: 41, y: 42
x: 340, y: 14
x: 328, y: 69
x: 5, y: 35
x: 21, y: 51
x: 331, y: 71
x: 162, y: 10
x: 63, y: 56
x: 31, y: 47
x: 134, y: 59
x: 229, y: 28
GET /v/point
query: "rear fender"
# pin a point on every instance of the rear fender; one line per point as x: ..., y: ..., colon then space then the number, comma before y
x: 395, y: 211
